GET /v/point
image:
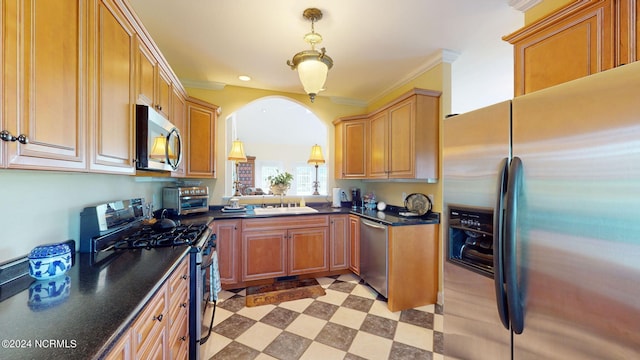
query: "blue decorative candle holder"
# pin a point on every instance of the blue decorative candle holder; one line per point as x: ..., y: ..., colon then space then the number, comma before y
x: 49, y: 261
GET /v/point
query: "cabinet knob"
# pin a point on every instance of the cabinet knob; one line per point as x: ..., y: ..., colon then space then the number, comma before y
x: 7, y: 136
x: 159, y: 318
x: 184, y: 277
x: 184, y: 305
x: 184, y: 338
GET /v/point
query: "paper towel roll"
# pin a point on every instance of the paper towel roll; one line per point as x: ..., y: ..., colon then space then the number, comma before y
x: 336, y: 197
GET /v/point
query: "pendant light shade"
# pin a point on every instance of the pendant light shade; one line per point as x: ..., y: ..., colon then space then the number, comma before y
x: 312, y: 65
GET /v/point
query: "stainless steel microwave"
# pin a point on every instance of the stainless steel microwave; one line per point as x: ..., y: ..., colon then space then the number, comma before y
x: 158, y: 141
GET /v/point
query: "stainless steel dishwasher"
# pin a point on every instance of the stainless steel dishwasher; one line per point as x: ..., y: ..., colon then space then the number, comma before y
x: 374, y: 257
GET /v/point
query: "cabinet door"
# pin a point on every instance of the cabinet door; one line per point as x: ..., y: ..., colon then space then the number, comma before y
x: 228, y: 248
x: 178, y: 114
x: 264, y: 254
x: 112, y: 126
x: 145, y: 74
x: 354, y: 149
x: 354, y: 244
x: 401, y: 148
x: 200, y: 139
x: 564, y: 47
x: 149, y: 330
x: 339, y: 242
x: 45, y: 83
x: 308, y: 250
x: 122, y: 349
x: 163, y: 93
x: 378, y: 157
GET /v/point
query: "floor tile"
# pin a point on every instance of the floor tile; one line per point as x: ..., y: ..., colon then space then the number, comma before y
x: 258, y: 336
x: 337, y: 336
x: 370, y: 346
x: 350, y: 322
x: 287, y: 346
x: 307, y: 326
x: 321, y: 310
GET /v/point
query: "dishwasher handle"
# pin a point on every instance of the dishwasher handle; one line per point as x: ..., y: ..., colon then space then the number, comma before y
x: 373, y: 224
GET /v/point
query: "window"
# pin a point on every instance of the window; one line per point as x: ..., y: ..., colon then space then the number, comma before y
x: 280, y: 133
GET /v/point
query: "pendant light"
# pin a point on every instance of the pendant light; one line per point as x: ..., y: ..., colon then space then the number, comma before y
x: 312, y: 65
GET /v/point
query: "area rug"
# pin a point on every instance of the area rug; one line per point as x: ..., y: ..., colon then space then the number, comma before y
x: 281, y: 291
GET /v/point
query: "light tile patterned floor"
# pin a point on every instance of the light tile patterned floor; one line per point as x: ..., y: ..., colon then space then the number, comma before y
x: 350, y: 322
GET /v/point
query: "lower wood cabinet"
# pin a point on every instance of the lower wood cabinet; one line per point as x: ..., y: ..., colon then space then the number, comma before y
x: 354, y: 244
x: 161, y: 329
x: 339, y: 242
x: 413, y: 266
x: 281, y: 246
x: 228, y: 241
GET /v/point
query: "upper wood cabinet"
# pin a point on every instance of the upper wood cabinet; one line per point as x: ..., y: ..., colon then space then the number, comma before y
x: 351, y: 147
x: 583, y: 38
x: 200, y: 157
x: 152, y: 82
x: 45, y: 83
x: 400, y: 140
x: 112, y: 63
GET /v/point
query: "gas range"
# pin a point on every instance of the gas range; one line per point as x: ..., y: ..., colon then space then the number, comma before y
x: 109, y: 228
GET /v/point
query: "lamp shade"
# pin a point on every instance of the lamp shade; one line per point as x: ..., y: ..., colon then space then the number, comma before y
x: 237, y: 152
x: 316, y: 155
x: 313, y: 74
x: 159, y: 148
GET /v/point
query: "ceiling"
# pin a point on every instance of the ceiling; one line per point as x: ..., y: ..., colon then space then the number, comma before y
x: 375, y: 44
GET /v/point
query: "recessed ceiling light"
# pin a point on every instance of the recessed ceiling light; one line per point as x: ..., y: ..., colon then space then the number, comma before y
x: 244, y: 78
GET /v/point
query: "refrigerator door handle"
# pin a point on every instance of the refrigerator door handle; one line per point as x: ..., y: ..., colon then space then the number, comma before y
x: 516, y: 310
x: 498, y: 241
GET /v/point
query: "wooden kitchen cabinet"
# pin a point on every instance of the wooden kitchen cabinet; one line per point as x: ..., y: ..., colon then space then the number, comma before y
x: 200, y: 155
x: 281, y: 246
x: 44, y: 57
x: 308, y: 250
x: 413, y: 266
x: 152, y: 83
x: 122, y: 349
x: 178, y: 311
x: 339, y: 242
x: 149, y: 333
x: 228, y: 242
x: 351, y: 147
x: 404, y: 138
x: 583, y: 38
x: 111, y: 130
x: 354, y: 244
x: 397, y: 141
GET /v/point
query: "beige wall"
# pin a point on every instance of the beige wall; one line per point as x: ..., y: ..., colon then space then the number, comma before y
x: 544, y: 8
x: 41, y: 207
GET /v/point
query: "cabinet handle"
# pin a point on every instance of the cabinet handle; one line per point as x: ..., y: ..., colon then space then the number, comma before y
x: 184, y: 277
x: 184, y: 305
x: 184, y: 338
x: 159, y: 318
x: 7, y: 136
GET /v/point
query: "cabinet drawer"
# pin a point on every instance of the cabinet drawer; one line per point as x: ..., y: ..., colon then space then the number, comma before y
x: 151, y: 321
x: 285, y: 222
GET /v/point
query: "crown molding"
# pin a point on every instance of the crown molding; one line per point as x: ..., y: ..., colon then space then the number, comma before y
x: 523, y: 5
x: 208, y: 85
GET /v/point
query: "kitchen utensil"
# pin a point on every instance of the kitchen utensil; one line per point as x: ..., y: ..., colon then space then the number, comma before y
x: 418, y: 203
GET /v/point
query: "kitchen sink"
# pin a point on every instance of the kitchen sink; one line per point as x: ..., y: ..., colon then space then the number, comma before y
x: 284, y: 210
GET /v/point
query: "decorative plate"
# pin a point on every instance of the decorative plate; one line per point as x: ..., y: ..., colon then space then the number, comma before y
x: 418, y: 203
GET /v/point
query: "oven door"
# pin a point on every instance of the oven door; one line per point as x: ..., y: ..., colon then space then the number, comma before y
x: 193, y: 204
x: 207, y: 288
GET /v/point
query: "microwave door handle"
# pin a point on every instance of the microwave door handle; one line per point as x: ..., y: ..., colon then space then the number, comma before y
x: 178, y: 150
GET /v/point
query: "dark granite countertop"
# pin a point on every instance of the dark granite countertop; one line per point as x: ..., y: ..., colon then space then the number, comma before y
x: 101, y: 303
x: 391, y: 215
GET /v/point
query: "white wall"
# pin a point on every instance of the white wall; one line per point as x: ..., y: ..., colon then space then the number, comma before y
x: 483, y: 74
x: 38, y: 207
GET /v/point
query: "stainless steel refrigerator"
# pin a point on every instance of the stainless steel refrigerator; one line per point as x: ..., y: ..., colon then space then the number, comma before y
x: 558, y: 173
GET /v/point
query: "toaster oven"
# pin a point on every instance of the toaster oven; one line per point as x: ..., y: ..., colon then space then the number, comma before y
x: 186, y: 200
